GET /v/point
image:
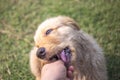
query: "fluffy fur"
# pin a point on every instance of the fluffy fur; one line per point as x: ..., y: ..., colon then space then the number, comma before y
x: 87, y: 56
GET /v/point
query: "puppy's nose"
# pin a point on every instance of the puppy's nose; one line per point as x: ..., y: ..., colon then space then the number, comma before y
x: 41, y: 52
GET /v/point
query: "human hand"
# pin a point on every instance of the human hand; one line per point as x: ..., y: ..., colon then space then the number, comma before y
x: 56, y: 71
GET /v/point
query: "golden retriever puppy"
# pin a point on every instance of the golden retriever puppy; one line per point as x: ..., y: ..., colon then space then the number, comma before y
x: 60, y: 38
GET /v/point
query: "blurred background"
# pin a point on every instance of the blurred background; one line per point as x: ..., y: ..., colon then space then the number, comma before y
x: 20, y: 18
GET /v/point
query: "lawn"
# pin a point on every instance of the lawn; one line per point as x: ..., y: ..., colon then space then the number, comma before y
x: 20, y: 18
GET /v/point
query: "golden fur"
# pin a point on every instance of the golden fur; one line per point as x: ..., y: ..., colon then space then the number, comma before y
x: 87, y: 56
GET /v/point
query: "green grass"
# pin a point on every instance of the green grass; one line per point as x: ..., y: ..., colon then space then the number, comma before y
x: 19, y: 20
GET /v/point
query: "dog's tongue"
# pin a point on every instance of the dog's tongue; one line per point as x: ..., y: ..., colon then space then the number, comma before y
x: 65, y: 56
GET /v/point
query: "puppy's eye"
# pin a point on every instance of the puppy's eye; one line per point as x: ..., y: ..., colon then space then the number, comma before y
x: 49, y: 31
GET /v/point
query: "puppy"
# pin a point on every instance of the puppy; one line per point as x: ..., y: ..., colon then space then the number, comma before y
x: 61, y: 38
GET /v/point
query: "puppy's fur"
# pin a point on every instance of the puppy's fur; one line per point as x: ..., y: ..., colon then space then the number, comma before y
x: 87, y: 56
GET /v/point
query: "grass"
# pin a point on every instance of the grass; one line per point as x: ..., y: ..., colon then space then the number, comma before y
x: 19, y: 20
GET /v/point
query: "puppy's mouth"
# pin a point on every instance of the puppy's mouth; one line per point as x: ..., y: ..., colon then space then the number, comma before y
x: 64, y: 55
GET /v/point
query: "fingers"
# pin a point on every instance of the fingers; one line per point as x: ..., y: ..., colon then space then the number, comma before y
x: 70, y: 72
x: 71, y: 68
x: 58, y: 68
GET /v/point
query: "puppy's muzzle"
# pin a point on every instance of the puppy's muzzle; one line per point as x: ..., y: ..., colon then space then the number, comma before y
x: 41, y: 52
x: 64, y: 55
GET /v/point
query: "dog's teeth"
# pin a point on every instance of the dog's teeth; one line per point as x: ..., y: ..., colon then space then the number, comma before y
x: 54, y: 59
x: 68, y: 57
x: 68, y: 51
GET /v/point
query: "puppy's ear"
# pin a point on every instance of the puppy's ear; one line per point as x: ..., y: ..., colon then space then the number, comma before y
x: 69, y: 22
x: 73, y: 24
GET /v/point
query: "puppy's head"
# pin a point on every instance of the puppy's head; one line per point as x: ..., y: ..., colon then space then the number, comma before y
x: 53, y: 37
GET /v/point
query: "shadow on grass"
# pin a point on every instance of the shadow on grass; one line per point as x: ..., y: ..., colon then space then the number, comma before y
x: 113, y: 66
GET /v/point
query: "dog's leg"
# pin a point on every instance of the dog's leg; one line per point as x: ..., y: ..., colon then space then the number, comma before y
x: 35, y: 64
